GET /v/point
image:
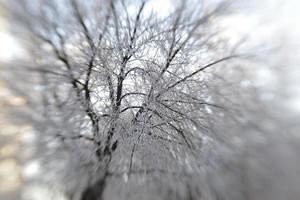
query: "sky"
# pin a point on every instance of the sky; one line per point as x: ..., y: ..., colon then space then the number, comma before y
x: 271, y: 21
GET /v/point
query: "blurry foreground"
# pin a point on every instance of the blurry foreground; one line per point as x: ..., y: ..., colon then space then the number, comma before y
x: 121, y: 100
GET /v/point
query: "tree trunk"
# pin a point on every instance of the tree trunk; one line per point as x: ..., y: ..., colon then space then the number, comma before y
x: 95, y: 192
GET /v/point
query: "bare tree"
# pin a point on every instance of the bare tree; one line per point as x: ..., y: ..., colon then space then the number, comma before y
x: 126, y: 91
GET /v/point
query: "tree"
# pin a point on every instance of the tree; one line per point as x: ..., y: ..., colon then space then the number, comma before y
x: 125, y: 93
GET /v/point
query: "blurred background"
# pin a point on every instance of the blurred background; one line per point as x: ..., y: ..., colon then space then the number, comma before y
x: 271, y: 24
